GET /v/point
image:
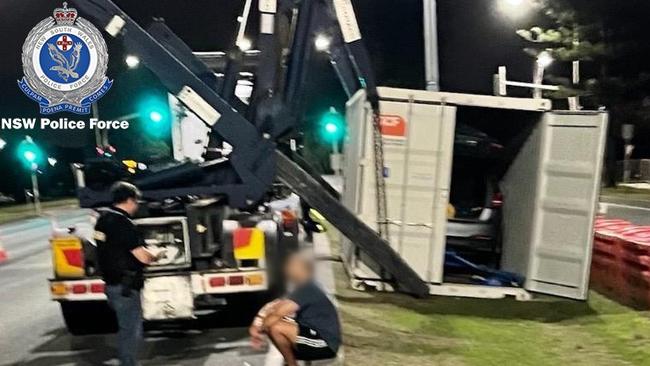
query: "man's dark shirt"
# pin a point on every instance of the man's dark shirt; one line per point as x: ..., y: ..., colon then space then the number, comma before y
x: 116, y: 236
x: 318, y: 313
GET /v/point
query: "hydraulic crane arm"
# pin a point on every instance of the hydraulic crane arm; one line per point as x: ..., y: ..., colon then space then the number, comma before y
x: 252, y: 158
x: 248, y: 172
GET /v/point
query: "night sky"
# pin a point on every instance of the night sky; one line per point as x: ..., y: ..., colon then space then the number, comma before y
x: 475, y: 38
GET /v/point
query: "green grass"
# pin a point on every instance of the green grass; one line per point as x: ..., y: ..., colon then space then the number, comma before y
x: 626, y: 193
x: 394, y: 329
x: 26, y: 211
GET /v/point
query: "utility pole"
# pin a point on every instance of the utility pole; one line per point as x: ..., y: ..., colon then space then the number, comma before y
x: 98, y: 133
x: 431, y: 58
x: 35, y: 192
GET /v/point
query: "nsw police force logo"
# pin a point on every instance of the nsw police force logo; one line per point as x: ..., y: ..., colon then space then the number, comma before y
x: 65, y: 60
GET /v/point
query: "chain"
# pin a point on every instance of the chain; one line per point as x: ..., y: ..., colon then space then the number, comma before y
x: 380, y: 182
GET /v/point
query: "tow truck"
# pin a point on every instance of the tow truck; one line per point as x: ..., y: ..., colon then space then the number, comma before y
x: 212, y: 215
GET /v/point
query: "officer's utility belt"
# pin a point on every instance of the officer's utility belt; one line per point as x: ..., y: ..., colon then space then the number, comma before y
x: 131, y: 280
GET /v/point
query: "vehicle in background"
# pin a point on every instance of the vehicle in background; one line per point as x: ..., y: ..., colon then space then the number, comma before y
x: 6, y: 199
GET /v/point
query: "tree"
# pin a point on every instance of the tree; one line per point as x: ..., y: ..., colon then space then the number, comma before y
x: 610, y: 40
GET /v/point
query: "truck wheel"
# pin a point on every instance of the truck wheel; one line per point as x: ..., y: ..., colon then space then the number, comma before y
x: 88, y: 317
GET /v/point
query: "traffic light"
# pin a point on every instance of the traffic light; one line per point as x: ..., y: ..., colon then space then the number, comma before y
x: 154, y: 112
x: 332, y: 126
x: 30, y: 154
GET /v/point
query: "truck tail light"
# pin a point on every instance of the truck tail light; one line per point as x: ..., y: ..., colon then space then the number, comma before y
x: 236, y: 280
x: 255, y: 279
x: 79, y: 289
x: 497, y: 200
x: 97, y: 288
x: 217, y: 281
x: 58, y: 289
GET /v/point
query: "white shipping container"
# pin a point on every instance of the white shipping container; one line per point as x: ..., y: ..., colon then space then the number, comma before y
x: 554, y: 179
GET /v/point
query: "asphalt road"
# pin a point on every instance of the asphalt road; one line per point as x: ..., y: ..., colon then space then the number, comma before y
x: 634, y: 214
x: 32, y: 330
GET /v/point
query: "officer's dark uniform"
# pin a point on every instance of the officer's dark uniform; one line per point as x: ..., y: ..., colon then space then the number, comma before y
x: 116, y: 236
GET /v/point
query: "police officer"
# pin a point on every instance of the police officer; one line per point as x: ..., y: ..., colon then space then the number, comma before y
x: 121, y: 258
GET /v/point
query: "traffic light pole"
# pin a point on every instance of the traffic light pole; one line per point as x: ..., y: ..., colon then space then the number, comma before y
x: 36, y: 194
x: 335, y: 159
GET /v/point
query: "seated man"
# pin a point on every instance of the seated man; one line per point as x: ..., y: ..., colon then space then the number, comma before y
x: 302, y: 326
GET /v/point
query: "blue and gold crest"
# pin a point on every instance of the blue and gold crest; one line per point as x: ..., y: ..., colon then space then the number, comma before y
x: 65, y: 59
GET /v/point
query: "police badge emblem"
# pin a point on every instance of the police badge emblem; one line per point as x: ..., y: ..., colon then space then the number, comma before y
x: 65, y: 59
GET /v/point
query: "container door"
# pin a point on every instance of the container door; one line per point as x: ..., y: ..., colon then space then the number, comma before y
x: 572, y: 148
x: 418, y: 151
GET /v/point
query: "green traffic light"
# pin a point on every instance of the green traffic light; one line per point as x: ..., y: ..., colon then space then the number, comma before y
x: 30, y: 154
x: 332, y: 126
x: 155, y: 116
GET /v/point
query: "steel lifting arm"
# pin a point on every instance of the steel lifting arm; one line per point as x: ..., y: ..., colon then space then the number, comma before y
x: 252, y: 158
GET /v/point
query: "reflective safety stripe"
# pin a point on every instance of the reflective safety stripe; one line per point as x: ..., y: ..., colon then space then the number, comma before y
x: 316, y: 343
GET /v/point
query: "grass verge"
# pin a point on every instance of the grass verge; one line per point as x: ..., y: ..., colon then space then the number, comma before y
x: 625, y: 195
x: 25, y: 211
x: 393, y: 329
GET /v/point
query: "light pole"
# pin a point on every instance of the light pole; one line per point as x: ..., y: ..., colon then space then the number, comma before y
x: 544, y: 60
x: 627, y: 132
x: 432, y: 63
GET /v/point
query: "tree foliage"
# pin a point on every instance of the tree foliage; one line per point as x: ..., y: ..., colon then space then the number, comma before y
x: 610, y: 39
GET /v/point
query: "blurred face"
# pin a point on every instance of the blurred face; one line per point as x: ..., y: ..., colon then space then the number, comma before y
x: 297, y: 270
x: 131, y: 206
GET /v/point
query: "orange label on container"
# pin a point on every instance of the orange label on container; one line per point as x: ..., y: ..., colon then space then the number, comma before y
x: 392, y: 125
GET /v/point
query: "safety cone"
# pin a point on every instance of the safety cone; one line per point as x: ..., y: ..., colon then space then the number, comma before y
x: 3, y: 255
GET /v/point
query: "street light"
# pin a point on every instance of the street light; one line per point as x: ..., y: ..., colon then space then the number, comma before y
x: 514, y: 8
x: 322, y: 43
x: 3, y: 144
x: 52, y: 161
x: 245, y: 44
x: 132, y: 61
x: 544, y: 59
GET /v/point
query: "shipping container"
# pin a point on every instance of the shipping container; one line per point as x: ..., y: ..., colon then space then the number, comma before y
x: 548, y: 178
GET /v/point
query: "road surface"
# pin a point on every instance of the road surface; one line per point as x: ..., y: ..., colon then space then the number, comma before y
x: 32, y: 331
x: 636, y: 215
